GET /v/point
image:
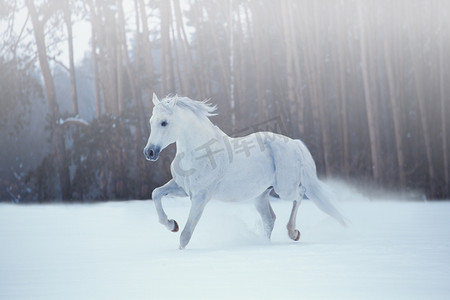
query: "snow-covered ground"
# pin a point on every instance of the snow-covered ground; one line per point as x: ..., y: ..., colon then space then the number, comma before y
x: 118, y: 250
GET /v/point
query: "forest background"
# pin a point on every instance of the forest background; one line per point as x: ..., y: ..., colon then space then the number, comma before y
x: 365, y: 84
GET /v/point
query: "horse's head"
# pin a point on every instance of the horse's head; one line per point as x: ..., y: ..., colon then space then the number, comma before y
x: 169, y: 119
x: 163, y: 129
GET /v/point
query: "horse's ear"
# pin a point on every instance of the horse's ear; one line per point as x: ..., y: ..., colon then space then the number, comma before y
x: 155, y: 99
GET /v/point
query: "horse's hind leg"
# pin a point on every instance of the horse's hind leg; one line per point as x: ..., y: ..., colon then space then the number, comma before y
x: 265, y: 210
x: 292, y: 231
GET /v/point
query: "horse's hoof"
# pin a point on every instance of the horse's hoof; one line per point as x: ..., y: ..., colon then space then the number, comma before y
x: 295, y: 235
x: 175, y: 226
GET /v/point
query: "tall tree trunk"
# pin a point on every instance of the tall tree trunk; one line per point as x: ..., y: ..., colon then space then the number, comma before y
x: 94, y: 38
x: 257, y: 41
x: 176, y: 50
x: 147, y: 47
x: 241, y: 64
x: 423, y: 119
x: 108, y: 45
x: 119, y: 71
x: 444, y: 101
x: 73, y: 82
x: 343, y: 94
x: 165, y: 48
x: 114, y: 62
x: 186, y: 53
x: 293, y: 72
x: 58, y: 130
x: 184, y: 77
x: 202, y: 61
x: 289, y: 54
x: 219, y: 55
x: 314, y: 124
x: 321, y: 100
x: 231, y: 65
x: 143, y: 54
x: 137, y: 103
x: 395, y: 105
x: 102, y: 66
x: 371, y: 121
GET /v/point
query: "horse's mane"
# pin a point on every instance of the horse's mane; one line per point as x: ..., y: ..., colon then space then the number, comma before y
x: 199, y: 108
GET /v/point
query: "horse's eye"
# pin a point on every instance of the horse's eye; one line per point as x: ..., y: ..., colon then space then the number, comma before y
x: 164, y: 123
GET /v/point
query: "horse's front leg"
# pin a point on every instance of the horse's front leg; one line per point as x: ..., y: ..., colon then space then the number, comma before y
x: 198, y: 204
x: 170, y: 188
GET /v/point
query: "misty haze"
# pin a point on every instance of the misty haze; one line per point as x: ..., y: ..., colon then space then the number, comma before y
x: 364, y: 84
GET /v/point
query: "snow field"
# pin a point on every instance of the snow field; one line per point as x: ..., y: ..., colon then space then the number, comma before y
x: 118, y: 250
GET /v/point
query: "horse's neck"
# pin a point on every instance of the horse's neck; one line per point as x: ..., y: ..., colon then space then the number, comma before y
x: 198, y: 134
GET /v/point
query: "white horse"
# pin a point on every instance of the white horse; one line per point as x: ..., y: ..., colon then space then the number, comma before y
x: 211, y: 165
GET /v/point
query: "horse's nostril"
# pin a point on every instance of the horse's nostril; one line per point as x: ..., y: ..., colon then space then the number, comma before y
x: 152, y: 153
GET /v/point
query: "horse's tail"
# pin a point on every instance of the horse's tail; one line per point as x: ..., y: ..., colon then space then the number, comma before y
x: 316, y: 190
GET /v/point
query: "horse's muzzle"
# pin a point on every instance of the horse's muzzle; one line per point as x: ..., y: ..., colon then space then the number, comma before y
x: 152, y: 152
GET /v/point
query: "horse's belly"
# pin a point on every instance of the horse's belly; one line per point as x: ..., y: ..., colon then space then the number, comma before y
x: 245, y: 179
